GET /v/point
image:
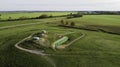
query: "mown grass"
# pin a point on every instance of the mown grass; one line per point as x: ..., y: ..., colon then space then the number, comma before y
x: 12, y: 57
x: 113, y: 20
x: 47, y: 20
x: 105, y: 23
x: 96, y: 49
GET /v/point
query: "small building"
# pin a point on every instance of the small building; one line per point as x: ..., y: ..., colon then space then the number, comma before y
x: 36, y: 38
x: 60, y: 42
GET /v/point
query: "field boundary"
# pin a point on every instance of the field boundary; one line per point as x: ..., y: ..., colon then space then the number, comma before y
x: 88, y: 29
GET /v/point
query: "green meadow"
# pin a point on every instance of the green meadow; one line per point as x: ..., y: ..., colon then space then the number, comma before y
x: 96, y: 49
x: 16, y: 15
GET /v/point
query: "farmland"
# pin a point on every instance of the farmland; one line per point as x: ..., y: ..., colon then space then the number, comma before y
x: 16, y: 15
x: 96, y: 49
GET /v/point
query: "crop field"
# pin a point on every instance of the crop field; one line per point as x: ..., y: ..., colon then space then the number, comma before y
x: 95, y: 49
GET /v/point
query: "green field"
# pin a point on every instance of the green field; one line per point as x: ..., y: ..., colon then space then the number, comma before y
x: 96, y: 49
x: 99, y: 20
x: 16, y: 15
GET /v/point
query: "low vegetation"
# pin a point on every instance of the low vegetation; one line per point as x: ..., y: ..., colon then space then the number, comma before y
x: 96, y: 49
x: 71, y: 15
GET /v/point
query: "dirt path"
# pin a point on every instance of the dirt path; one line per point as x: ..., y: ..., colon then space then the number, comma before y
x: 83, y: 35
x: 67, y: 33
x: 27, y: 50
x: 20, y: 25
x: 64, y: 46
x: 35, y: 52
x: 45, y: 56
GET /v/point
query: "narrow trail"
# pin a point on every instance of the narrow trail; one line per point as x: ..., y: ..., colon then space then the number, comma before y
x: 67, y: 33
x: 64, y: 46
x: 20, y: 25
x: 27, y: 50
x: 45, y: 56
x: 83, y: 35
x: 35, y: 52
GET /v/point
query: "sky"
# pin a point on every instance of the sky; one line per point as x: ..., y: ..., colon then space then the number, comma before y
x: 60, y: 5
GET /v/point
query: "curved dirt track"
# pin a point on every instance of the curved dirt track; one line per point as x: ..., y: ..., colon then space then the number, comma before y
x: 35, y: 52
x: 27, y: 50
x: 83, y: 35
x: 43, y: 54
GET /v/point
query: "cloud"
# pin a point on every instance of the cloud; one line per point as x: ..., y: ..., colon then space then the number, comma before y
x: 60, y: 5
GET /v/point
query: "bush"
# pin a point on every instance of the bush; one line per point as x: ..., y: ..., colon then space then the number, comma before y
x: 9, y: 18
x: 43, y: 16
x: 22, y: 18
x: 66, y: 23
x: 0, y: 16
x: 50, y: 16
x: 74, y: 15
x: 62, y: 22
x: 72, y: 24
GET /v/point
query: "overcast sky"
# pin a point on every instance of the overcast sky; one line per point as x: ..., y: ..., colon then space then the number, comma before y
x: 112, y: 5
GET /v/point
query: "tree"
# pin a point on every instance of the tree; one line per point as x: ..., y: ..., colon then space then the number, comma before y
x: 62, y: 22
x: 50, y: 16
x: 69, y: 16
x: 43, y: 16
x: 74, y: 15
x: 72, y: 24
x: 66, y: 23
x: 9, y: 18
x: 0, y: 16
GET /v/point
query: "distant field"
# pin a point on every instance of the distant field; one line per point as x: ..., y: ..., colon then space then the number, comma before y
x: 16, y: 15
x: 96, y: 49
x: 109, y: 23
x: 113, y: 20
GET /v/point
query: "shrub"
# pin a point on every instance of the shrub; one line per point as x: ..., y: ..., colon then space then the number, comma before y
x: 62, y: 22
x: 66, y: 23
x: 43, y: 16
x: 9, y: 18
x: 50, y: 16
x: 22, y: 18
x: 74, y: 15
x: 0, y: 16
x: 72, y: 24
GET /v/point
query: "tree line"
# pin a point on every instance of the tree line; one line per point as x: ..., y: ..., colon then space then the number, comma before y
x: 71, y: 15
x: 66, y: 23
x: 25, y: 18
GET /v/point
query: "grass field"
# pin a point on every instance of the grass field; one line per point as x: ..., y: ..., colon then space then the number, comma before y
x: 98, y: 20
x: 16, y: 15
x: 109, y: 23
x: 96, y: 49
